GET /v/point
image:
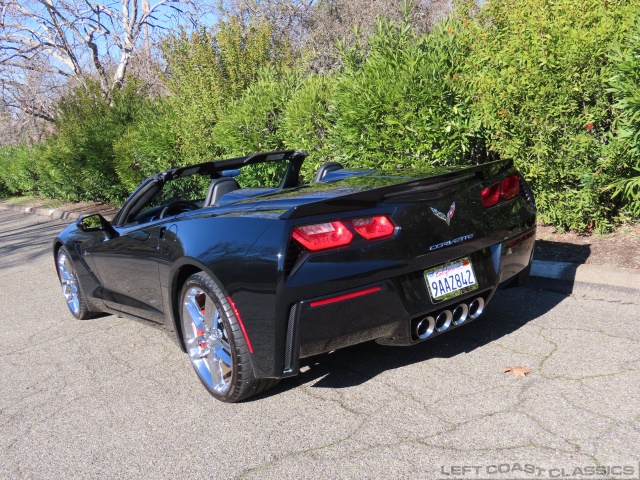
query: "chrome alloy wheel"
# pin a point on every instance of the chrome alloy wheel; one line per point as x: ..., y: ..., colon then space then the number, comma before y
x: 69, y: 282
x: 207, y: 340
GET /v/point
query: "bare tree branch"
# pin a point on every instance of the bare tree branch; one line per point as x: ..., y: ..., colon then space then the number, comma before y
x: 72, y: 40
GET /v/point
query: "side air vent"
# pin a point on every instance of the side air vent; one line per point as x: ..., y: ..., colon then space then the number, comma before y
x: 291, y: 346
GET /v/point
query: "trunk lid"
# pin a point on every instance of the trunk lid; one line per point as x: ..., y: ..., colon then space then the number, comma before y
x: 368, y: 189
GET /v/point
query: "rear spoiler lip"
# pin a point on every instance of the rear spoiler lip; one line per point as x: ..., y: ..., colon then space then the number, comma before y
x: 370, y: 198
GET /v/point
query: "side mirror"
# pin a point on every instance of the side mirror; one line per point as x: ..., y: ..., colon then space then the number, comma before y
x: 96, y: 223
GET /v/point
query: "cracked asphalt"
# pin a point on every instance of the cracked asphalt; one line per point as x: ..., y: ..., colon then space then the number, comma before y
x: 115, y: 398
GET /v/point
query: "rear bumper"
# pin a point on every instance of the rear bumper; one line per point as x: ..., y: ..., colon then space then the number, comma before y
x: 391, y: 310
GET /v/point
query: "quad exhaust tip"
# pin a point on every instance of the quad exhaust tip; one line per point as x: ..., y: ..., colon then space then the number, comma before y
x: 443, y: 320
x: 425, y: 327
x: 460, y: 314
x: 476, y: 307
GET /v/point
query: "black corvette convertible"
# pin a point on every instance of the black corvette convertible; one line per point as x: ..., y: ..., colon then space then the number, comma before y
x: 253, y: 277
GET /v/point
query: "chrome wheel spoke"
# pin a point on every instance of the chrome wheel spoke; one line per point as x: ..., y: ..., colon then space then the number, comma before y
x: 196, y: 341
x: 198, y: 347
x: 216, y: 320
x: 63, y: 270
x: 204, y: 370
x: 195, y: 313
x: 216, y: 374
x: 199, y: 353
x: 66, y: 290
x: 75, y: 299
x: 223, y: 355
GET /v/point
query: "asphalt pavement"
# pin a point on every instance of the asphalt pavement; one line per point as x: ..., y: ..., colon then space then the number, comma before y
x: 115, y: 398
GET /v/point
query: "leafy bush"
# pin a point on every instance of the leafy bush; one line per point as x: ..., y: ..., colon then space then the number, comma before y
x: 537, y: 72
x: 79, y: 157
x: 207, y: 70
x: 19, y: 169
x: 196, y: 95
x: 396, y: 104
x: 252, y: 122
x: 625, y: 85
x: 306, y: 121
x: 148, y: 146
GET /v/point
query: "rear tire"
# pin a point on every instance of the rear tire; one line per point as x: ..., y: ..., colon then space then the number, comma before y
x: 215, y: 344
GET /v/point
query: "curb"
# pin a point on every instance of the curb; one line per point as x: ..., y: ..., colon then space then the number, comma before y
x: 594, y: 274
x: 52, y: 213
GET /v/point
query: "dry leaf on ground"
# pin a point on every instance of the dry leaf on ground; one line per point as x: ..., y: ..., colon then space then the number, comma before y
x: 517, y: 371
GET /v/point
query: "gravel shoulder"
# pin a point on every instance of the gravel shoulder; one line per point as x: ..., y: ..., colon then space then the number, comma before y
x: 620, y: 248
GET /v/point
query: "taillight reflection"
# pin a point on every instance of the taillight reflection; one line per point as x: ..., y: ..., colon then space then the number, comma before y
x: 370, y: 228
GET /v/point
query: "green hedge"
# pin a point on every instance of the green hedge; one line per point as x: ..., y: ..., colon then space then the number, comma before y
x: 625, y: 85
x: 537, y: 71
x: 306, y: 121
x: 79, y: 158
x: 149, y: 145
x: 252, y: 123
x: 399, y: 106
x: 20, y: 169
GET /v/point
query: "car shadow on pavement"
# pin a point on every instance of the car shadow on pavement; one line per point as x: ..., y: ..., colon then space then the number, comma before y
x: 507, y: 312
x: 26, y: 242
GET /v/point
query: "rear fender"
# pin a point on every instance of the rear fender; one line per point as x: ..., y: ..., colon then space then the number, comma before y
x: 250, y: 280
x: 181, y: 270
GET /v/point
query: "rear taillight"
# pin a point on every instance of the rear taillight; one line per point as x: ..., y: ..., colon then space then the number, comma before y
x: 321, y: 236
x: 510, y: 187
x: 371, y: 228
x: 490, y: 196
x: 506, y: 189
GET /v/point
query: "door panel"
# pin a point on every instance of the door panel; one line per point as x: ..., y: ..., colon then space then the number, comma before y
x: 128, y: 268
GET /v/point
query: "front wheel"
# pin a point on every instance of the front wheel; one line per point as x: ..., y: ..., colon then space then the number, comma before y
x: 70, y: 287
x: 214, y: 342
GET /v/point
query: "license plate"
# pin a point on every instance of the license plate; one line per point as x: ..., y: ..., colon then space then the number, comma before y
x: 451, y: 279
